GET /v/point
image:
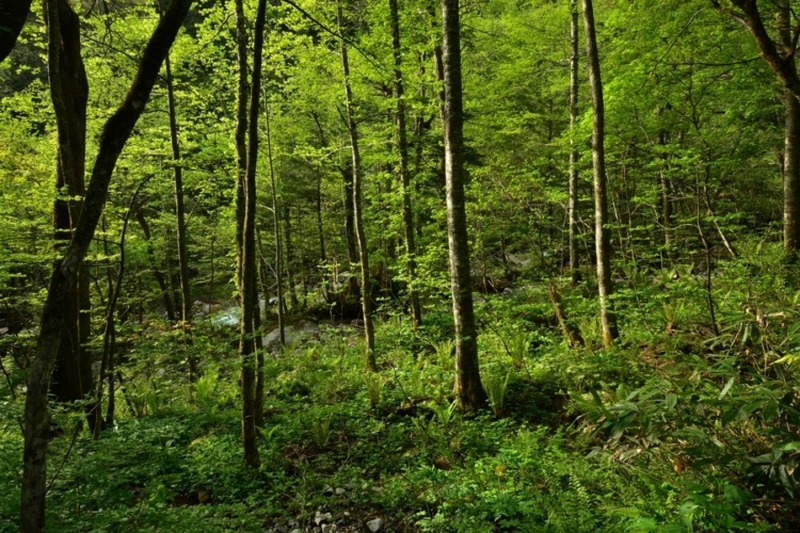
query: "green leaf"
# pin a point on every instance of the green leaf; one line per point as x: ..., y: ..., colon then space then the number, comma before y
x: 726, y: 388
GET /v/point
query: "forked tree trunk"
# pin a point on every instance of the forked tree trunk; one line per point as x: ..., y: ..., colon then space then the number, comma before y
x: 115, y: 134
x: 601, y: 236
x: 13, y: 13
x: 405, y: 181
x: 358, y: 217
x: 468, y: 387
x: 72, y: 376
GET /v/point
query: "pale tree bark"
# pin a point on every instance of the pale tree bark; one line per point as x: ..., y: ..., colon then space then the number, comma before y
x: 72, y: 376
x: 405, y: 180
x: 277, y: 233
x: 358, y: 216
x: 288, y: 258
x: 572, y: 200
x: 115, y: 134
x: 779, y: 54
x: 468, y: 387
x: 180, y: 218
x: 601, y: 235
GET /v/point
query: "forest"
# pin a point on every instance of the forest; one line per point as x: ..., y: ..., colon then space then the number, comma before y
x: 399, y: 265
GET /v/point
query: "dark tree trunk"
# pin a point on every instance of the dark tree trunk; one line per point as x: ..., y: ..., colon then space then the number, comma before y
x: 72, y: 376
x: 405, y: 181
x: 358, y: 217
x: 115, y: 134
x: 13, y: 13
x: 468, y: 387
x: 248, y: 288
x: 602, y: 241
x: 183, y: 261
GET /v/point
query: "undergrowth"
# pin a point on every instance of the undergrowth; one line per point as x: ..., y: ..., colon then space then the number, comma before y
x: 675, y: 429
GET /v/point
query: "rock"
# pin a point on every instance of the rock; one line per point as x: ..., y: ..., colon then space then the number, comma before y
x: 375, y: 525
x: 328, y: 491
x: 340, y: 491
x: 328, y: 528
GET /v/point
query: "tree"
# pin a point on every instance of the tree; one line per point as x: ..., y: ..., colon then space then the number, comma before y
x: 601, y: 236
x: 72, y: 376
x: 403, y: 171
x: 779, y: 54
x: 358, y: 215
x: 116, y: 132
x: 572, y: 200
x: 248, y: 285
x: 468, y: 387
x: 13, y: 14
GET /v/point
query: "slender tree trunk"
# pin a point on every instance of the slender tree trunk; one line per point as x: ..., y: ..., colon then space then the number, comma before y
x: 405, y: 181
x: 183, y: 261
x: 572, y: 201
x: 666, y: 198
x: 248, y: 290
x: 277, y: 233
x: 115, y: 134
x: 791, y: 179
x: 468, y: 387
x: 602, y: 241
x: 358, y: 217
x: 289, y: 254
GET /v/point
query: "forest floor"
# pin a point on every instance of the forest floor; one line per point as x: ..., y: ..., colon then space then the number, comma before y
x: 674, y: 429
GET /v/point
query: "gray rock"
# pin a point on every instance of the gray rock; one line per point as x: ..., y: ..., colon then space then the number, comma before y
x: 375, y: 525
x: 340, y: 491
x: 328, y: 491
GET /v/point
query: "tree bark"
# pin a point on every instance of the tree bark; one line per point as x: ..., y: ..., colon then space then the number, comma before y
x: 248, y: 291
x: 468, y: 387
x: 779, y: 54
x: 72, y: 376
x: 288, y: 258
x: 572, y: 201
x: 13, y: 13
x: 358, y: 217
x: 405, y: 181
x: 115, y: 134
x: 276, y: 220
x: 180, y: 219
x: 601, y: 237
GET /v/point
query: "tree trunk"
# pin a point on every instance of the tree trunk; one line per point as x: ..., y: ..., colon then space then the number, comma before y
x: 72, y: 379
x: 248, y: 288
x: 358, y: 217
x: 289, y: 254
x: 183, y: 266
x: 791, y: 179
x: 572, y: 201
x: 277, y: 232
x: 468, y: 387
x: 601, y: 237
x: 13, y: 13
x: 405, y: 182
x: 115, y: 134
x: 779, y: 54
